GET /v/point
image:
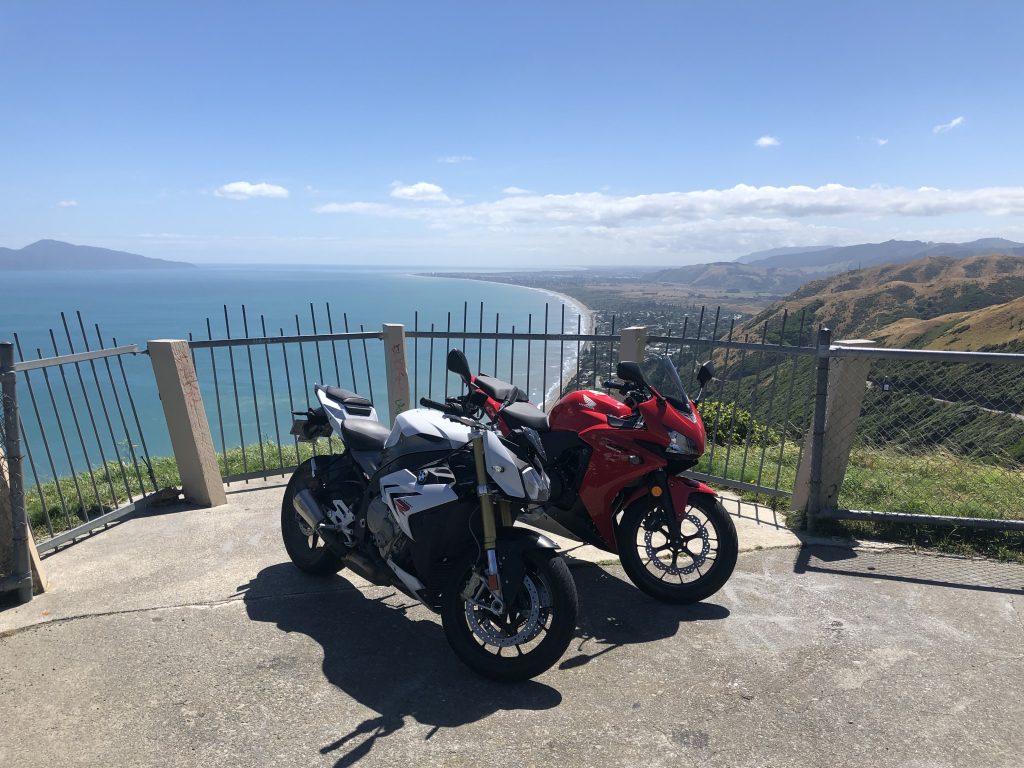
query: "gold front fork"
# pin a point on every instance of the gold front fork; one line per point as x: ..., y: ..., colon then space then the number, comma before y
x: 483, y: 491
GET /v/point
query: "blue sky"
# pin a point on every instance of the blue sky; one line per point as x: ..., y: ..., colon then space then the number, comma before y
x: 528, y: 133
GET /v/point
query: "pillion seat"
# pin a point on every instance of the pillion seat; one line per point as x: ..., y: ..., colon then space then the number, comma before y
x: 497, y: 389
x: 357, y: 405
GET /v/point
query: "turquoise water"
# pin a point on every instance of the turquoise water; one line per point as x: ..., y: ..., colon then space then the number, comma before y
x: 136, y: 306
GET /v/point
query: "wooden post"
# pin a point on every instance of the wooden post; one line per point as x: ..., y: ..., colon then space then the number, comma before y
x: 633, y: 343
x: 39, y: 581
x: 6, y: 522
x: 396, y: 369
x: 847, y: 384
x: 186, y: 422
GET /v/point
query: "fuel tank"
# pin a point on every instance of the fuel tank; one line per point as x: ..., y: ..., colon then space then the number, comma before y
x: 583, y: 409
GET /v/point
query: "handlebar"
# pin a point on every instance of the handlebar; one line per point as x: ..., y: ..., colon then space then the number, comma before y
x: 452, y: 408
x: 622, y: 386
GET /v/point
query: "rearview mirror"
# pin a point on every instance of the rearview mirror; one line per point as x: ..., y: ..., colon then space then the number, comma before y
x: 627, y: 370
x: 706, y: 373
x: 458, y: 364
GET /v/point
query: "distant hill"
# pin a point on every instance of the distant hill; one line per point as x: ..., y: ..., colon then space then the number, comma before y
x: 56, y: 255
x: 731, y: 275
x: 884, y: 301
x: 791, y: 251
x: 838, y: 259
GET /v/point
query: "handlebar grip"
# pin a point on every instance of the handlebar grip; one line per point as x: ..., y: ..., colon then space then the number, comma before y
x: 434, y: 404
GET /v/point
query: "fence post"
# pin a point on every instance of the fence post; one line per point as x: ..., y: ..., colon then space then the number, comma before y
x: 845, y: 386
x: 633, y: 343
x: 186, y: 422
x: 807, y: 487
x: 14, y: 527
x: 396, y: 369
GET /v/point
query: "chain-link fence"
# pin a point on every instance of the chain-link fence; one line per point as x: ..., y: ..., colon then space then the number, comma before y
x: 938, y: 434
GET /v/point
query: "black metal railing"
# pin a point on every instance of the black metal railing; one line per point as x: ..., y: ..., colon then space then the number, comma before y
x: 88, y: 462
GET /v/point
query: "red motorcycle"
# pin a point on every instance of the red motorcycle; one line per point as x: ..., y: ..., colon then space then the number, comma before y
x: 614, y: 469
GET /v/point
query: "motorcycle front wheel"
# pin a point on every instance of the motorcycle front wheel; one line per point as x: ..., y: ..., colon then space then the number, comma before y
x: 529, y: 636
x: 306, y: 549
x: 678, y: 564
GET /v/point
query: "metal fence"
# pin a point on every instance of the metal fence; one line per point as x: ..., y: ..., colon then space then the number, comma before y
x: 760, y: 404
x: 938, y: 438
x: 936, y: 434
x: 253, y: 378
x: 86, y: 457
x: 253, y: 381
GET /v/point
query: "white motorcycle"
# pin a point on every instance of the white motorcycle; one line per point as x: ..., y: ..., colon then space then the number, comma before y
x: 428, y: 507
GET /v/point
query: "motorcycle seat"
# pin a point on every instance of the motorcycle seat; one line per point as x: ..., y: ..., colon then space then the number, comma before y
x: 497, y: 389
x: 525, y: 415
x: 355, y: 404
x: 364, y: 434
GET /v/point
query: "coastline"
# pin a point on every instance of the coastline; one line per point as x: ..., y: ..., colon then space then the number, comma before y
x: 587, y: 325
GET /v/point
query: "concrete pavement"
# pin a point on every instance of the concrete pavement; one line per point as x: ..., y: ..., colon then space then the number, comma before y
x: 185, y: 638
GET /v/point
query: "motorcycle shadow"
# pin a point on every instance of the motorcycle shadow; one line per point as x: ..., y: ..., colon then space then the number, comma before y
x: 384, y: 658
x: 614, y: 614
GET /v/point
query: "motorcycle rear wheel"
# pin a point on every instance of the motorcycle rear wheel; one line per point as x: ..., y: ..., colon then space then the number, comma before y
x: 306, y: 549
x: 683, y: 568
x: 531, y: 635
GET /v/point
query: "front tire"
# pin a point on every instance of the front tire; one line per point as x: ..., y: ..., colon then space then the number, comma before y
x: 683, y: 566
x: 531, y: 635
x: 306, y: 549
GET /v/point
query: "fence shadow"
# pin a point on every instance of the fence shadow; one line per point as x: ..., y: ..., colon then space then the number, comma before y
x: 615, y: 614
x: 913, y: 568
x: 374, y: 651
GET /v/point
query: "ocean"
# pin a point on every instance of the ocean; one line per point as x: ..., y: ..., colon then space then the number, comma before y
x: 136, y: 306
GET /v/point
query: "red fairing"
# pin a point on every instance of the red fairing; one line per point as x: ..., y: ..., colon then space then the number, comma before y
x: 680, y: 488
x: 581, y: 410
x: 659, y: 417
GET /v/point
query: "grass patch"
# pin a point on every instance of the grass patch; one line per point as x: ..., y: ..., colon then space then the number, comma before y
x: 70, y: 501
x: 890, y: 480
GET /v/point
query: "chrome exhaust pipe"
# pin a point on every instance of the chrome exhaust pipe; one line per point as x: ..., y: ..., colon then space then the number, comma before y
x: 308, y: 508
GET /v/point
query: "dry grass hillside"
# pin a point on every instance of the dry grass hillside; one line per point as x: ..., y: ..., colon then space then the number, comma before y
x: 1000, y: 325
x: 885, y: 302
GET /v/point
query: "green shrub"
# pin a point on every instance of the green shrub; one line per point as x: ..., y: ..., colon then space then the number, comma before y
x: 728, y: 424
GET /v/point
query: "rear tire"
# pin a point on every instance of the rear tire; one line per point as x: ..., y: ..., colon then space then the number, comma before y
x: 308, y: 551
x: 542, y: 620
x: 683, y: 569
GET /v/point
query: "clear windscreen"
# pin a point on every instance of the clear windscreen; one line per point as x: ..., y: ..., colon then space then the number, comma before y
x: 661, y: 373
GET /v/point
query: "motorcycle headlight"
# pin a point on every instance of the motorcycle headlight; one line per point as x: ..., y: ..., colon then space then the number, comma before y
x: 679, y: 443
x: 536, y: 484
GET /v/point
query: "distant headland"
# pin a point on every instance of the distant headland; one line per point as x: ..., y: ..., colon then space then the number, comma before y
x: 53, y: 255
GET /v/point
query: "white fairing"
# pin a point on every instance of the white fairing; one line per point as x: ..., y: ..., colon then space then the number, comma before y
x: 423, y: 421
x: 501, y: 466
x: 405, y: 497
x: 336, y: 413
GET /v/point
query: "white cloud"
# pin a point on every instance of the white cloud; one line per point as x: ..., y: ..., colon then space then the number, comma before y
x: 767, y: 141
x: 695, y: 225
x: 422, y: 191
x: 455, y: 159
x: 954, y: 123
x: 517, y: 191
x: 245, y: 190
x: 673, y: 209
x: 67, y: 204
x: 881, y: 142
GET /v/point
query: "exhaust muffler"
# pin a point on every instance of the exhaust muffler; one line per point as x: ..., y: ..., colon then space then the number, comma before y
x: 308, y: 508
